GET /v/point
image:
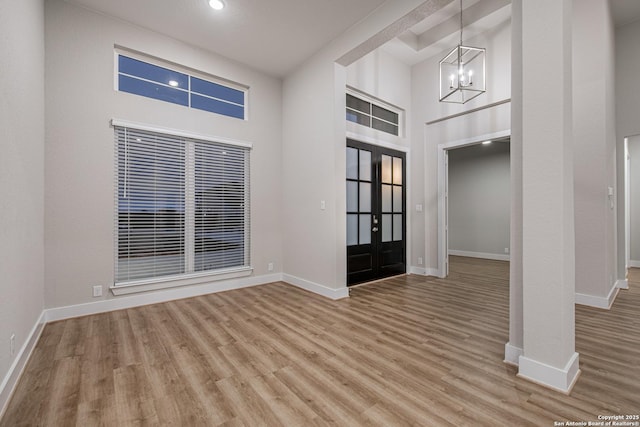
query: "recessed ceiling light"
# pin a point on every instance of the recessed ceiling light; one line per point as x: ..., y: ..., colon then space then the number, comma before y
x: 173, y: 83
x: 486, y: 142
x: 216, y: 4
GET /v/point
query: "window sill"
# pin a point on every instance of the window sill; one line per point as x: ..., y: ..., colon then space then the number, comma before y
x: 177, y: 281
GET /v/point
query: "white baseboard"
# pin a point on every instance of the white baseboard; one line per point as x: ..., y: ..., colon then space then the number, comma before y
x: 558, y: 379
x: 424, y: 271
x: 597, y: 301
x: 17, y: 367
x: 316, y: 288
x: 59, y: 313
x: 512, y: 354
x: 622, y: 284
x: 483, y: 255
x: 433, y: 272
x: 418, y: 271
x: 634, y: 264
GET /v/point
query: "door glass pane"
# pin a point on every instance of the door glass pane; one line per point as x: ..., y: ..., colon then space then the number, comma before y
x: 386, y: 198
x: 397, y: 198
x: 397, y: 227
x: 397, y: 170
x: 352, y: 196
x: 365, y: 229
x: 386, y: 228
x: 365, y: 165
x: 352, y: 163
x: 365, y: 197
x: 386, y: 169
x: 352, y: 230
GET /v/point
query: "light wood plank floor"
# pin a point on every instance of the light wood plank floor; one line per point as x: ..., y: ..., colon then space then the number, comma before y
x: 405, y: 351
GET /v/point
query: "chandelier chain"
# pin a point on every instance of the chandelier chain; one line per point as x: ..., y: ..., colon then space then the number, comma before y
x: 460, y: 22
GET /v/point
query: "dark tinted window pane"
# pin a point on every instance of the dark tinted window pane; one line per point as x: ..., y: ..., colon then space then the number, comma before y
x: 152, y: 90
x: 215, y: 106
x: 147, y: 71
x: 354, y: 116
x: 384, y: 114
x: 217, y: 91
x: 384, y: 126
x: 358, y: 104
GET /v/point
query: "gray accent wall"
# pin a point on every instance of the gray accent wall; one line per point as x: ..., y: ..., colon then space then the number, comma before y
x: 479, y: 199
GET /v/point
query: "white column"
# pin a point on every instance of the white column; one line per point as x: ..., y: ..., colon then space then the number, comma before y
x: 513, y: 349
x: 595, y: 147
x: 548, y: 238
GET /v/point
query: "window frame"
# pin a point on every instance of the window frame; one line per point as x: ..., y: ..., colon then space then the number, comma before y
x: 190, y: 72
x: 187, y: 278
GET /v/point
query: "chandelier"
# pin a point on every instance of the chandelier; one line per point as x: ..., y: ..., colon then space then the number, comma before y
x: 462, y: 72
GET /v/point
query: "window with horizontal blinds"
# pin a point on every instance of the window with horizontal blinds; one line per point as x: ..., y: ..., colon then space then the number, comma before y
x: 182, y: 206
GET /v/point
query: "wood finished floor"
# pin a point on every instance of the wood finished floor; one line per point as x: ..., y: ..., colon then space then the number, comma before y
x: 406, y: 351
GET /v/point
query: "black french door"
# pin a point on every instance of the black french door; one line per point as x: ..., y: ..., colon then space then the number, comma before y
x: 376, y: 212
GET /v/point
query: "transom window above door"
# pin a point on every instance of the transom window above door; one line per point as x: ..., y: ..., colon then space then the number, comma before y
x: 373, y: 114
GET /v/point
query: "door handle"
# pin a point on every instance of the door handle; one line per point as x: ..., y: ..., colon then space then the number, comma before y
x: 374, y: 229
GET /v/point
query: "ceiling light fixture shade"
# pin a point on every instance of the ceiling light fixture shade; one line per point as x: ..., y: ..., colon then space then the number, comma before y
x: 216, y: 4
x: 462, y: 72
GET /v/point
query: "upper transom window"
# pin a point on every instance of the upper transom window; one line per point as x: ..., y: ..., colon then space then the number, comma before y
x: 372, y: 115
x: 178, y: 87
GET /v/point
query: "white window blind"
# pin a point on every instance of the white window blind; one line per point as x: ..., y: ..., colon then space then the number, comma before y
x: 182, y: 206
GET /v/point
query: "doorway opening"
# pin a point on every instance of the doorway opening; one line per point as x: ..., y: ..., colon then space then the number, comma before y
x: 376, y: 212
x: 481, y: 199
x: 632, y: 201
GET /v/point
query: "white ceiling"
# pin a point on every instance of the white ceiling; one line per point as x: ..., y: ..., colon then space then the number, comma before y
x: 275, y: 36
x: 442, y: 29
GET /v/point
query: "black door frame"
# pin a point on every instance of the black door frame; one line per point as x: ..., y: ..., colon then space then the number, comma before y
x: 378, y: 259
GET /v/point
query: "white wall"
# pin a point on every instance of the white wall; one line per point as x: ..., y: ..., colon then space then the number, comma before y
x: 634, y: 187
x: 594, y: 148
x: 80, y: 101
x: 479, y: 199
x: 314, y: 132
x: 627, y: 66
x: 427, y: 137
x: 21, y: 174
x: 381, y: 75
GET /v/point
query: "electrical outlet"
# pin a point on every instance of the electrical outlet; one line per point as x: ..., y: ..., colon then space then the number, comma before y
x: 506, y: 250
x: 420, y: 261
x: 12, y: 344
x: 97, y: 291
x: 270, y: 266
